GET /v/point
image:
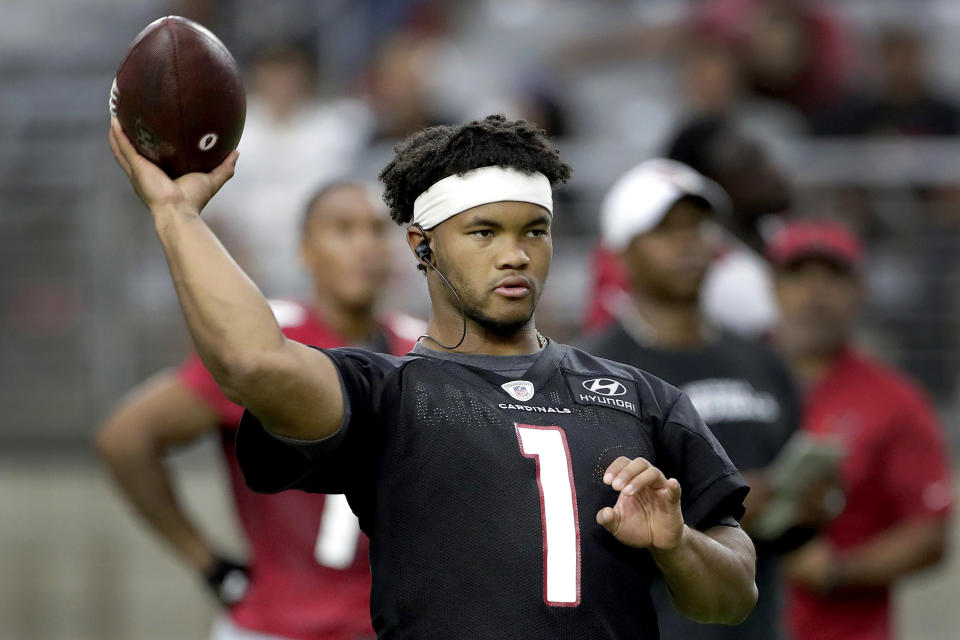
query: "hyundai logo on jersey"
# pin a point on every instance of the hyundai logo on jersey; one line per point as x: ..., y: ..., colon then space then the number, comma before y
x: 605, y: 387
x: 521, y: 390
x: 605, y: 392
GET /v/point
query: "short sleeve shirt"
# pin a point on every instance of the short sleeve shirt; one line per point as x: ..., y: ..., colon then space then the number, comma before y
x: 479, y: 490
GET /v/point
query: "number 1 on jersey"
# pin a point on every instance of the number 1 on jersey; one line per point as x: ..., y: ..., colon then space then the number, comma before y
x: 558, y: 512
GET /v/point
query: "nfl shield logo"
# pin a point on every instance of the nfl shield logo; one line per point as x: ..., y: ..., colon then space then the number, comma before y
x: 519, y: 389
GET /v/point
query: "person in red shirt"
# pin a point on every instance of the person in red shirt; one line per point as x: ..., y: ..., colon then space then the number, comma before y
x: 307, y: 576
x: 895, y: 471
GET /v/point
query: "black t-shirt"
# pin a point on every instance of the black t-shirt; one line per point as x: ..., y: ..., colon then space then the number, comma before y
x: 746, y: 395
x: 479, y: 492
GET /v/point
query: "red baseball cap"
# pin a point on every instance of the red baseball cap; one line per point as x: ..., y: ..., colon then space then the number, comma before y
x: 815, y: 239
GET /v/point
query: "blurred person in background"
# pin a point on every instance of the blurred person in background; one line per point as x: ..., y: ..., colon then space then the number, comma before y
x: 724, y: 153
x: 308, y: 576
x: 895, y: 473
x: 714, y: 84
x: 658, y: 219
x: 293, y: 139
x: 397, y: 86
x: 737, y: 294
x: 796, y: 52
x: 899, y: 102
x: 903, y: 103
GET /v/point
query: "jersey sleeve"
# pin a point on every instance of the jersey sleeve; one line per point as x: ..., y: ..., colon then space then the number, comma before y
x: 917, y: 475
x: 271, y: 464
x: 195, y: 377
x: 712, y: 488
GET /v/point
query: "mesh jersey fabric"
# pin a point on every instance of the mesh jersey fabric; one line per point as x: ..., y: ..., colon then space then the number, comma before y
x: 430, y: 459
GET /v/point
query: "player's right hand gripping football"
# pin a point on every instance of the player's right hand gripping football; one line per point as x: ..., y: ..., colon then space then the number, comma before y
x: 155, y: 188
x: 647, y: 513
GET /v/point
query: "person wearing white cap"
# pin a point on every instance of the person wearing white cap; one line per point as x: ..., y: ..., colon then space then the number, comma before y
x: 658, y: 219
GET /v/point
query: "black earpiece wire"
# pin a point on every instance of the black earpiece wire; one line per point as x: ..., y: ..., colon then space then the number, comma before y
x: 424, y: 258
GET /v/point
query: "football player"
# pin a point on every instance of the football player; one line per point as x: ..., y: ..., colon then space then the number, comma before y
x: 511, y: 486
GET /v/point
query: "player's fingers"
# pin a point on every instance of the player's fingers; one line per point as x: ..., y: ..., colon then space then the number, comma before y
x: 117, y: 154
x: 123, y: 143
x: 135, y: 161
x: 224, y: 170
x: 628, y: 472
x: 608, y: 519
x: 673, y: 490
x: 651, y: 477
x: 614, y: 469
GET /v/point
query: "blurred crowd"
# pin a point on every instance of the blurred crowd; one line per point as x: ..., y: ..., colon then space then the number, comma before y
x: 741, y: 90
x: 828, y: 129
x: 843, y: 110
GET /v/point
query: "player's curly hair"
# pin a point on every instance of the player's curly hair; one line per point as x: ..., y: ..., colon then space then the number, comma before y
x: 434, y: 153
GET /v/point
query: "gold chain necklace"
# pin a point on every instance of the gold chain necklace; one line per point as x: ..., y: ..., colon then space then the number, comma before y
x: 541, y: 340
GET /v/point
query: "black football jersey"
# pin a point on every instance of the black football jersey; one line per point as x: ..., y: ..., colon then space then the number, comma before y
x: 479, y: 492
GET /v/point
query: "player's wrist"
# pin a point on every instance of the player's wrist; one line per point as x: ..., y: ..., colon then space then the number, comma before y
x: 168, y: 211
x: 169, y: 216
x: 673, y: 550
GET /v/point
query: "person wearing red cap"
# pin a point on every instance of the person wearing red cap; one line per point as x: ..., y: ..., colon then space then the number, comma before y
x: 895, y: 471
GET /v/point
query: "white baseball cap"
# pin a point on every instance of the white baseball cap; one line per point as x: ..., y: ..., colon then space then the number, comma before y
x: 640, y: 198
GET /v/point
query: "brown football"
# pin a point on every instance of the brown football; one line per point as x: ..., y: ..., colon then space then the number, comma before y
x: 179, y: 96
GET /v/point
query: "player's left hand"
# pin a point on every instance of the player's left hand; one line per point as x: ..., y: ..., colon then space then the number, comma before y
x: 647, y: 513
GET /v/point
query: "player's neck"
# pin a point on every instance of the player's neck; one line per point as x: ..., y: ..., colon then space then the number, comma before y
x: 354, y: 326
x: 665, y: 324
x: 447, y: 328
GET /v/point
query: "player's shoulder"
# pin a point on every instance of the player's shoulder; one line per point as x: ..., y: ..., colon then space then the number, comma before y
x: 656, y: 395
x: 374, y: 358
x: 371, y: 363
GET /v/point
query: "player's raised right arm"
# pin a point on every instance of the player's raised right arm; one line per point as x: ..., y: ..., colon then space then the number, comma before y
x: 294, y: 390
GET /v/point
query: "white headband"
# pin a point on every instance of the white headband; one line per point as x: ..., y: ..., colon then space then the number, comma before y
x: 457, y: 193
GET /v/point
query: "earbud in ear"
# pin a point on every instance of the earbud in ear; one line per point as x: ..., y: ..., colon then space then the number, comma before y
x: 423, y: 251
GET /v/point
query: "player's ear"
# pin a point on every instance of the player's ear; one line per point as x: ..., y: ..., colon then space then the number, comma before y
x: 415, y: 236
x: 419, y: 244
